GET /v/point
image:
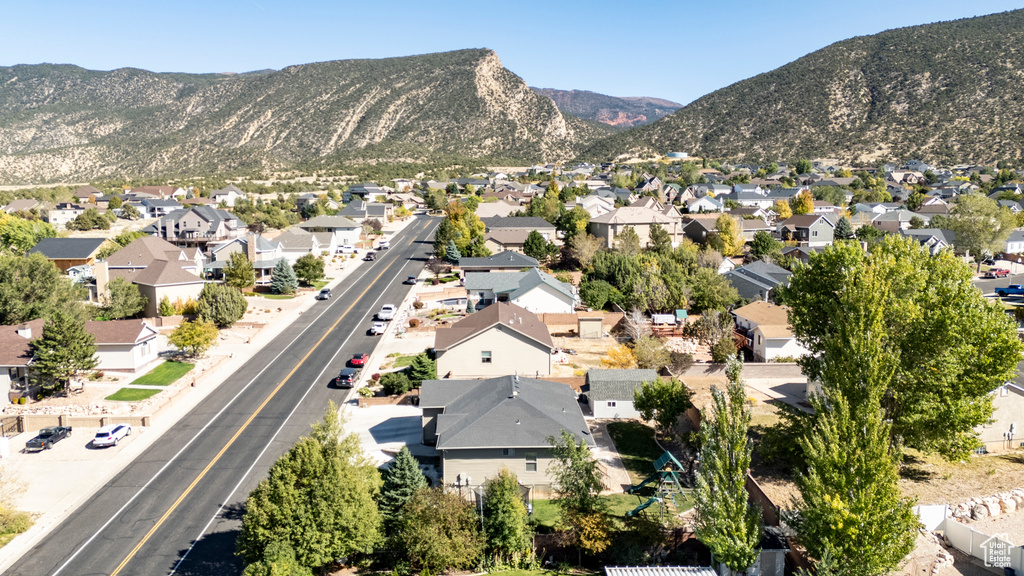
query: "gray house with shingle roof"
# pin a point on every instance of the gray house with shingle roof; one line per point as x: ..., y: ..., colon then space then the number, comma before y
x: 482, y: 426
x: 532, y: 290
x: 610, y: 392
x: 507, y: 261
x: 757, y: 280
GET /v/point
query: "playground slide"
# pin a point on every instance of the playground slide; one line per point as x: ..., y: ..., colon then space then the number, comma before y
x: 642, y: 507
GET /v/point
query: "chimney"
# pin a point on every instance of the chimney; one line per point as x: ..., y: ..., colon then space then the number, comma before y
x: 25, y: 331
x: 250, y: 247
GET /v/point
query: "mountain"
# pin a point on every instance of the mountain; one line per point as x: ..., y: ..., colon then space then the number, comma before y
x: 620, y: 112
x: 65, y: 122
x: 948, y: 91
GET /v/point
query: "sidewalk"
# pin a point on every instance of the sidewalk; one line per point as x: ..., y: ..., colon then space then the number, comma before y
x: 51, y: 498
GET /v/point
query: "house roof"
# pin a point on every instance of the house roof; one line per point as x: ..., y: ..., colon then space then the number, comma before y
x: 804, y: 221
x: 329, y: 222
x: 120, y: 331
x: 165, y: 273
x: 505, y: 259
x: 500, y: 208
x: 507, y: 237
x: 14, y: 348
x: 503, y: 412
x: 632, y: 215
x: 297, y: 239
x: 757, y: 278
x: 21, y: 204
x: 142, y: 252
x: 500, y: 313
x: 515, y: 284
x: 617, y: 384
x: 517, y: 222
x: 772, y: 319
x: 68, y: 248
x: 86, y: 191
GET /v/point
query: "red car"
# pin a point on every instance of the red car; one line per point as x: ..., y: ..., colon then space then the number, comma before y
x: 997, y: 273
x: 359, y: 360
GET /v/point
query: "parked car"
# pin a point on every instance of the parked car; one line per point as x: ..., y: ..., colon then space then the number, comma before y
x: 1011, y: 290
x: 359, y: 359
x: 383, y: 245
x: 378, y: 328
x: 47, y: 437
x: 346, y: 379
x: 346, y: 249
x: 411, y: 280
x: 324, y: 294
x: 387, y: 312
x: 111, y: 434
x: 997, y: 273
x: 370, y: 256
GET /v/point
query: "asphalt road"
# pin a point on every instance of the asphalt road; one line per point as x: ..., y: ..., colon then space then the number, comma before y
x: 176, y: 509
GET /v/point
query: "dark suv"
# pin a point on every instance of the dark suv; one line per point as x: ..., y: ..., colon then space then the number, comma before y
x: 347, y: 378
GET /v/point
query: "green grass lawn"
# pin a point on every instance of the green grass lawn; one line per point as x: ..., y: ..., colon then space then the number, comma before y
x: 132, y: 394
x: 545, y: 512
x: 321, y: 283
x: 636, y: 446
x: 164, y: 374
x: 278, y: 296
x: 404, y: 360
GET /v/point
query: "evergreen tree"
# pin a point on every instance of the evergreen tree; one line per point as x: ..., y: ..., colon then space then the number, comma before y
x: 64, y: 349
x: 844, y: 231
x: 320, y: 498
x: 627, y: 242
x: 239, y: 272
x: 220, y: 304
x: 124, y: 300
x: 661, y: 241
x: 764, y: 245
x: 726, y: 520
x: 129, y: 212
x: 536, y: 246
x: 115, y: 202
x: 283, y: 280
x: 506, y: 522
x: 470, y: 306
x: 422, y: 368
x: 401, y: 481
x: 451, y: 253
x: 309, y: 268
x: 166, y: 308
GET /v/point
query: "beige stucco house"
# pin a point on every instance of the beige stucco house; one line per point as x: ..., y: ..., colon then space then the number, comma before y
x: 766, y: 331
x: 498, y: 340
x: 609, y: 225
x: 1006, y: 430
x: 482, y: 426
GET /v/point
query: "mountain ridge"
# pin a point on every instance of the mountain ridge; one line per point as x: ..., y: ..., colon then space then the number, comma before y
x: 611, y: 110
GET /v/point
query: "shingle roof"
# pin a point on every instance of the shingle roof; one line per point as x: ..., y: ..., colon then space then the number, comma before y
x: 617, y: 384
x: 755, y: 279
x: 296, y: 238
x: 631, y: 215
x: 165, y: 273
x: 804, y: 220
x: 120, y: 331
x: 14, y: 348
x: 515, y: 284
x: 142, y: 252
x: 527, y: 222
x: 503, y: 412
x: 507, y: 237
x: 67, y: 248
x: 772, y: 319
x: 329, y: 222
x: 505, y: 259
x: 508, y: 315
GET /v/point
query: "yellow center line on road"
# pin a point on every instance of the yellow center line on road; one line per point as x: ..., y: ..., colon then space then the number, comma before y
x: 223, y: 450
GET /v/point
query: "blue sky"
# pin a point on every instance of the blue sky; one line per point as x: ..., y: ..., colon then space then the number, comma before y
x: 679, y: 50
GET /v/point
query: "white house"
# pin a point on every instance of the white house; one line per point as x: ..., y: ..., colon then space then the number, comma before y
x: 766, y: 329
x: 124, y: 345
x: 345, y: 231
x: 1015, y: 243
x: 610, y: 392
x: 533, y: 290
x: 228, y: 195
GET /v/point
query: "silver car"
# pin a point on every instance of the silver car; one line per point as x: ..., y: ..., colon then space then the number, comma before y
x: 111, y: 434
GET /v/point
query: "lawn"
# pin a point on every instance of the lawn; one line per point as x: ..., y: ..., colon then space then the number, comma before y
x: 321, y: 283
x: 545, y: 512
x: 404, y: 360
x: 636, y: 446
x: 164, y: 374
x: 278, y: 296
x: 133, y: 394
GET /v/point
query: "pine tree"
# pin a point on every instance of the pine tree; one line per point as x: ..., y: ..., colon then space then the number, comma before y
x: 283, y: 280
x: 401, y: 481
x: 627, y: 242
x: 726, y: 520
x: 451, y: 253
x: 661, y: 241
x: 506, y: 522
x: 166, y: 308
x: 844, y: 231
x: 470, y: 306
x: 64, y: 349
x: 422, y: 368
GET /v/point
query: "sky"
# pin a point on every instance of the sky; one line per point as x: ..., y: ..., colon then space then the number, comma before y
x: 678, y: 50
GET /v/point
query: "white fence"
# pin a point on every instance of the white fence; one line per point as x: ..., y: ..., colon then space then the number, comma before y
x: 932, y: 516
x: 993, y: 551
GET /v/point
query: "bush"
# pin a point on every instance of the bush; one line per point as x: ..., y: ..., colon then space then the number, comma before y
x: 417, y: 305
x: 723, y: 349
x: 375, y: 377
x: 365, y: 392
x: 414, y: 322
x: 221, y: 304
x: 395, y: 383
x: 22, y: 400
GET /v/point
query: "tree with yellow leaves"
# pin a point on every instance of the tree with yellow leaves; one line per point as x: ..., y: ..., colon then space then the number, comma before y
x: 619, y: 357
x: 802, y: 203
x: 782, y: 208
x: 730, y: 235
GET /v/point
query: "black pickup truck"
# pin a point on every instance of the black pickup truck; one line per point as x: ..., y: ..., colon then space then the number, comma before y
x: 47, y: 437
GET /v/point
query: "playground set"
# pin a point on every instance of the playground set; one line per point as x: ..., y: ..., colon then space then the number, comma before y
x: 668, y: 492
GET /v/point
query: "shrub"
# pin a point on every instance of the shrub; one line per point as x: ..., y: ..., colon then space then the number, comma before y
x: 395, y: 383
x: 417, y: 305
x: 365, y: 392
x: 375, y: 377
x: 723, y: 349
x: 414, y: 322
x: 22, y: 400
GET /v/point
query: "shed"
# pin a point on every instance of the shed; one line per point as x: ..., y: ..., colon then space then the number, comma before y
x: 589, y: 325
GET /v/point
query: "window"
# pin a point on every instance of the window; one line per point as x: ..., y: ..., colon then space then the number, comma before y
x: 485, y: 356
x: 531, y: 461
x: 814, y: 233
x: 508, y: 451
x: 611, y: 404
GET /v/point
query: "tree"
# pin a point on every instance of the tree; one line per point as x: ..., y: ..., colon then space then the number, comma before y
x: 395, y: 383
x: 627, y: 242
x: 278, y: 560
x: 451, y: 253
x: 220, y: 304
x: 802, y: 203
x: 32, y: 287
x: 843, y: 231
x: 620, y: 356
x: 764, y: 245
x: 19, y: 235
x: 309, y: 268
x: 723, y: 350
x: 634, y: 324
x: 914, y: 201
x: 537, y: 247
x: 129, y: 212
x: 574, y: 222
x: 194, y: 338
x: 803, y: 167
x: 64, y: 349
x: 869, y: 233
x: 422, y: 368
x: 401, y: 481
x: 937, y: 393
x: 729, y: 232
x: 782, y: 209
x: 576, y: 478
x: 283, y: 280
x: 166, y: 308
x: 124, y: 300
x: 650, y: 352
x: 239, y: 272
x: 115, y: 202
x: 320, y: 497
x: 661, y: 240
x: 584, y: 247
x: 663, y: 401
x: 439, y: 531
x: 506, y: 522
x: 727, y: 521
x: 711, y: 290
x: 981, y: 225
x: 916, y: 222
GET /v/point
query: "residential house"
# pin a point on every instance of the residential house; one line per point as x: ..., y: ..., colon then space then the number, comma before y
x: 15, y: 357
x: 1006, y: 430
x: 757, y: 280
x: 142, y: 252
x: 933, y: 239
x: 124, y: 345
x: 748, y: 198
x: 610, y: 392
x: 296, y: 243
x: 811, y: 230
x: 500, y: 339
x: 532, y: 290
x: 751, y: 226
x: 704, y: 204
x: 87, y: 194
x: 1011, y: 205
x: 507, y: 261
x: 481, y: 427
x: 649, y: 184
x: 360, y: 211
x: 897, y: 220
x: 700, y: 227
x: 801, y: 253
x: 160, y: 279
x: 524, y: 224
x: 933, y: 205
x: 262, y: 253
x: 346, y: 232
x: 410, y: 201
x: 157, y: 207
x: 367, y: 192
x: 827, y: 208
x: 766, y: 331
x: 160, y: 191
x: 623, y: 195
x: 608, y: 226
x: 63, y: 213
x: 227, y: 196
x: 753, y: 212
x: 68, y: 252
x: 197, y: 226
x: 500, y: 209
x: 1015, y: 243
x: 26, y: 205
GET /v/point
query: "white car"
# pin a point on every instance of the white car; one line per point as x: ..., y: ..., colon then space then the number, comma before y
x: 378, y: 328
x: 387, y: 312
x: 111, y: 434
x: 346, y: 249
x: 383, y: 245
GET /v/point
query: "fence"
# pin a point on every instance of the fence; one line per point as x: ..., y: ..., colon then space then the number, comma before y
x: 10, y: 426
x: 992, y: 550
